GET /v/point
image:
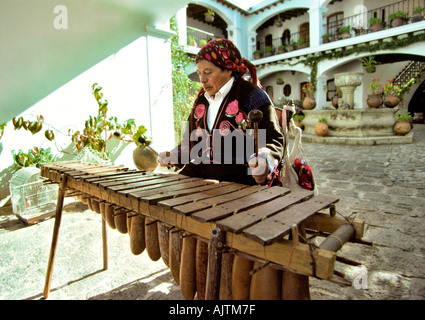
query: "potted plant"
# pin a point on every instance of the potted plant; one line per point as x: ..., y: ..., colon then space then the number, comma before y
x: 404, y: 123
x: 309, y: 102
x: 298, y: 118
x: 268, y: 51
x: 300, y: 44
x: 279, y: 79
x: 278, y: 22
x: 376, y: 24
x: 391, y: 91
x: 374, y: 98
x: 417, y: 14
x: 192, y: 41
x: 327, y: 37
x: 281, y: 49
x: 398, y: 18
x: 209, y: 15
x: 202, y: 42
x: 369, y: 63
x: 321, y: 128
x: 257, y: 54
x: 292, y: 45
x: 345, y: 31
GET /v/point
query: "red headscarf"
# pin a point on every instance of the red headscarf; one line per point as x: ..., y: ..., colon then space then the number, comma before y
x: 224, y: 54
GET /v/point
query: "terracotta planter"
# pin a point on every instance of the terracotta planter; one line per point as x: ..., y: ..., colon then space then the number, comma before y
x: 376, y: 27
x: 370, y: 69
x: 299, y: 124
x: 321, y: 129
x: 209, y: 19
x: 374, y: 100
x: 397, y: 22
x: 417, y: 17
x: 391, y: 101
x: 402, y: 127
x: 145, y: 158
x: 309, y: 103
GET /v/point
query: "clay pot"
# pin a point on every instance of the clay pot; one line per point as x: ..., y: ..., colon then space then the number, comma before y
x: 145, y: 158
x: 321, y: 129
x: 397, y: 22
x: 309, y: 103
x: 417, y: 17
x: 402, y: 127
x: 374, y: 100
x: 391, y: 101
x: 335, y: 101
x: 376, y: 27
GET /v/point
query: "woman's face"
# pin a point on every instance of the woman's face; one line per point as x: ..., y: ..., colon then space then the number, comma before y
x: 212, y: 77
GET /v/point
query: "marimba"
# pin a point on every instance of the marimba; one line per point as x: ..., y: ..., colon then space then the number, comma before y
x: 221, y: 240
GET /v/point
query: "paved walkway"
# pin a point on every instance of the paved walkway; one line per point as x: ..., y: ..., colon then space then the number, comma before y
x: 383, y: 185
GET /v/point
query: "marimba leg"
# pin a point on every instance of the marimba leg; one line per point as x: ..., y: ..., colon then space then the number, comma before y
x: 58, y: 217
x: 104, y: 244
x: 215, y: 250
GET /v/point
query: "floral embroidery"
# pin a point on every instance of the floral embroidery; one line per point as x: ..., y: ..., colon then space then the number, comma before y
x: 199, y: 111
x: 225, y: 128
x: 232, y: 108
x: 242, y: 120
x: 239, y: 118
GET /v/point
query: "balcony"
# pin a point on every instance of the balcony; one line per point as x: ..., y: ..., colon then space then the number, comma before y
x: 355, y: 25
x: 382, y: 18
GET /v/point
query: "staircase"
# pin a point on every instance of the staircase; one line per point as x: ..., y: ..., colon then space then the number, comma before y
x: 412, y: 70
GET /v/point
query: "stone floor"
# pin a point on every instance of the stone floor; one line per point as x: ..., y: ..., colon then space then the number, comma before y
x: 383, y: 185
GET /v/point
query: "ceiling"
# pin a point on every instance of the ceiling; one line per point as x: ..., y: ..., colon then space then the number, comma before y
x: 197, y: 12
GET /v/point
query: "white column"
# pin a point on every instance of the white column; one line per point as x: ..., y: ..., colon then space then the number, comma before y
x: 321, y: 92
x: 316, y: 23
x: 182, y: 26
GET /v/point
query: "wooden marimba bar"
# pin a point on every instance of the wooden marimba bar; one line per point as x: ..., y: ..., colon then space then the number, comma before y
x: 242, y: 237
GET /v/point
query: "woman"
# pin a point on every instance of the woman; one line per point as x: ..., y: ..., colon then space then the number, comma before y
x: 218, y: 142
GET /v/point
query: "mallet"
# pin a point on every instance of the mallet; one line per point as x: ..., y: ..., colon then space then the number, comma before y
x: 255, y: 116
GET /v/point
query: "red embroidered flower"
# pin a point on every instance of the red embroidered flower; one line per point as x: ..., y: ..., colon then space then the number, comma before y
x: 232, y: 108
x: 199, y: 111
x: 239, y: 118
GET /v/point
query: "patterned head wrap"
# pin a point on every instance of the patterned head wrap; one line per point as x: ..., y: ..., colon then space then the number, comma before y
x: 224, y: 54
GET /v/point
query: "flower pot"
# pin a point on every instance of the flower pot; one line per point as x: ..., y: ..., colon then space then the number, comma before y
x: 374, y: 100
x: 376, y: 27
x: 299, y: 124
x: 417, y: 17
x: 370, y: 69
x: 397, y: 22
x: 346, y: 35
x: 209, y: 19
x: 145, y: 158
x: 402, y: 127
x: 391, y: 101
x: 280, y: 82
x: 257, y: 56
x: 268, y: 54
x: 309, y: 103
x: 321, y: 129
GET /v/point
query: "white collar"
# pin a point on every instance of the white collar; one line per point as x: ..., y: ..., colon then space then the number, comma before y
x: 224, y: 90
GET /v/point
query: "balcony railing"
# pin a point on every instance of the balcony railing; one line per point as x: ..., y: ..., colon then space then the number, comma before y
x: 361, y: 23
x: 197, y: 37
x: 294, y: 41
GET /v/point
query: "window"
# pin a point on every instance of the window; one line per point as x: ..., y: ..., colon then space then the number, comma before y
x: 286, y: 37
x: 269, y: 40
x: 335, y: 22
x: 287, y: 90
x: 305, y: 34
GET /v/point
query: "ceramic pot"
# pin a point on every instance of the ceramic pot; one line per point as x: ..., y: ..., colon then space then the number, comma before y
x: 397, y: 22
x: 376, y: 27
x: 417, y: 17
x: 145, y: 158
x: 321, y: 129
x: 402, y: 127
x: 374, y: 100
x: 309, y: 103
x: 391, y: 101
